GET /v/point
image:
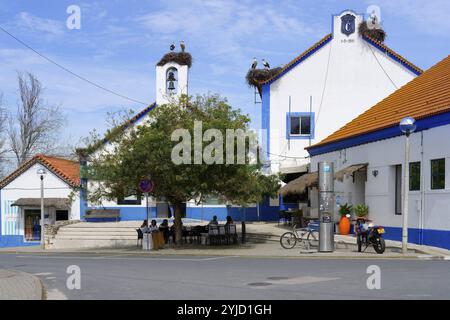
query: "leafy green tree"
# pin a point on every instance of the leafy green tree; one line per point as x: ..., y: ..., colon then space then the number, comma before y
x: 146, y: 151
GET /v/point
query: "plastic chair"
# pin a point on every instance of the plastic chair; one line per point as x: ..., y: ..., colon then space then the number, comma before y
x: 140, y: 236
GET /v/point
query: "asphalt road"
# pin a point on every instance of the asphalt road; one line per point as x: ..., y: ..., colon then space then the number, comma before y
x: 200, y: 277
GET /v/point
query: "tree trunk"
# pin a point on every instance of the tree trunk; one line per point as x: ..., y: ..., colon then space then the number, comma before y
x: 178, y: 208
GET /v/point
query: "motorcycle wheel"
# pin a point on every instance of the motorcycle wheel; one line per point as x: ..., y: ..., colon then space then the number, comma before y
x: 288, y: 240
x: 379, y: 245
x: 359, y: 242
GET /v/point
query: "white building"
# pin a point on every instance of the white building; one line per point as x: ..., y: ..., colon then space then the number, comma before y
x: 20, y: 199
x: 332, y: 82
x: 369, y: 152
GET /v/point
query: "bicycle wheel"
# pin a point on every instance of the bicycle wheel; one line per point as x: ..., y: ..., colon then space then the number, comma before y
x: 313, y: 239
x: 288, y: 240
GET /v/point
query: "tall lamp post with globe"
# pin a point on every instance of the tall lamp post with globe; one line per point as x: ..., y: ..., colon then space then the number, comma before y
x: 407, y: 126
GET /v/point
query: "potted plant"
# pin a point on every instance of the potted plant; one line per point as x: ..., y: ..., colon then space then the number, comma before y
x: 361, y: 210
x: 344, y: 222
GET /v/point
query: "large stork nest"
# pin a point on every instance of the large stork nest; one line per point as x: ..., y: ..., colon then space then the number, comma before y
x: 182, y: 58
x: 254, y: 77
x: 377, y: 34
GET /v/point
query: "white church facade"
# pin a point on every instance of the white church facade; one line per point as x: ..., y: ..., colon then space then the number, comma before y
x: 333, y: 81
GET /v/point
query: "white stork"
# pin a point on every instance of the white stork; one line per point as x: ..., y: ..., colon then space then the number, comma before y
x: 255, y: 63
x: 266, y: 64
x: 182, y: 45
x: 172, y: 46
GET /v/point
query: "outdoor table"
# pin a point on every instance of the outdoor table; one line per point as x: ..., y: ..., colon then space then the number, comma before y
x: 158, y: 240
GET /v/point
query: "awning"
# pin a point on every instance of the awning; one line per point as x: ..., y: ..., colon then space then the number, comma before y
x: 347, y: 172
x: 300, y: 184
x: 58, y: 203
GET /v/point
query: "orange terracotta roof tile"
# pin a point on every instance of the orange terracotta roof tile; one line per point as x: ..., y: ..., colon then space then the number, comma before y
x: 67, y: 170
x: 425, y: 96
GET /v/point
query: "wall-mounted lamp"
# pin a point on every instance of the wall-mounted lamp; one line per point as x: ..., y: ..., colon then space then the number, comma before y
x: 375, y: 173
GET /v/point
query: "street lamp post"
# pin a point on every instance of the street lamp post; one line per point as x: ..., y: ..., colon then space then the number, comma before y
x: 407, y: 126
x: 41, y: 172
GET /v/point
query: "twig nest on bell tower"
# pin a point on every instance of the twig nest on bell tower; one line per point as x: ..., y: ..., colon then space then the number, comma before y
x: 182, y: 58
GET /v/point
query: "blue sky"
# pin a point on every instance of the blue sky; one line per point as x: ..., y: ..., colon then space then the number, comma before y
x: 120, y: 42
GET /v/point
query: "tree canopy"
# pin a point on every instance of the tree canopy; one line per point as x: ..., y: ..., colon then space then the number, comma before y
x: 146, y: 151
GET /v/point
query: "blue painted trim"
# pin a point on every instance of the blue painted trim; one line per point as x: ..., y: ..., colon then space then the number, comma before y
x: 0, y: 213
x: 390, y: 55
x: 391, y: 132
x: 427, y: 237
x: 265, y: 117
x: 289, y: 136
x: 15, y: 241
x: 340, y: 14
x: 136, y: 118
x: 282, y: 73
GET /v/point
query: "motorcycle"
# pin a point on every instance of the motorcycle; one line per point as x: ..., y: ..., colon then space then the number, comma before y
x: 368, y: 234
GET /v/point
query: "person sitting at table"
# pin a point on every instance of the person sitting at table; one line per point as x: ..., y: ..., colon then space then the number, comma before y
x: 153, y: 226
x: 229, y: 221
x: 164, y: 228
x: 144, y: 226
x: 214, y: 221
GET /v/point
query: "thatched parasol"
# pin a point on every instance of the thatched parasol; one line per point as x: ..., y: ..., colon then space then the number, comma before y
x: 299, y: 185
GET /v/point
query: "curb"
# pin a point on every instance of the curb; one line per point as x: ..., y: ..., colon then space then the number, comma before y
x: 14, y: 283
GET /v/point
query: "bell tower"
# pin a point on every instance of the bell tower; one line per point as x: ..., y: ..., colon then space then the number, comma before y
x: 171, y: 78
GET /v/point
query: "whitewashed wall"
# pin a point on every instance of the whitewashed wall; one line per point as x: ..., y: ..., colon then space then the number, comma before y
x: 355, y: 83
x: 428, y: 209
x: 28, y: 185
x: 182, y: 87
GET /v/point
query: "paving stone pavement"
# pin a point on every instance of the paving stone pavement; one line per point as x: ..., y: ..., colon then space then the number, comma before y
x: 18, y: 285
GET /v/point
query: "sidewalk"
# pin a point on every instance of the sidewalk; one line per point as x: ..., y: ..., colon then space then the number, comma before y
x: 18, y: 285
x: 267, y: 246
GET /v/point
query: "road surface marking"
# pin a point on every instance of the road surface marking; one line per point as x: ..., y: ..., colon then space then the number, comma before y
x: 303, y: 280
x: 55, y: 294
x: 42, y: 274
x: 123, y: 258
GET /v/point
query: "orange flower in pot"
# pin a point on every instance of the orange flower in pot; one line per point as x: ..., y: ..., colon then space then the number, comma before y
x: 344, y: 223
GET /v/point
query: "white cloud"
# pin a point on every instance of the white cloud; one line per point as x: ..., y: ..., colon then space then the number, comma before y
x: 32, y: 22
x: 225, y: 27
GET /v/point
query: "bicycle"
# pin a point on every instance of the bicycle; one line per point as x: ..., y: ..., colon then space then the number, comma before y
x: 308, y: 238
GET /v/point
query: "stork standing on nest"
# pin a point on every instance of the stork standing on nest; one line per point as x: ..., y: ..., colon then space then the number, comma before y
x: 255, y: 63
x: 266, y: 64
x: 182, y: 46
x: 172, y: 46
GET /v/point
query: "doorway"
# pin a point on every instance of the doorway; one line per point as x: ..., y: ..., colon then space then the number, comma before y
x: 32, y: 225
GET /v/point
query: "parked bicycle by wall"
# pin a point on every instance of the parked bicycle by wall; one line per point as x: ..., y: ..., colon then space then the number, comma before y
x: 305, y: 237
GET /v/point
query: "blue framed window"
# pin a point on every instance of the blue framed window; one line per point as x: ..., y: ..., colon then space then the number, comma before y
x: 300, y: 125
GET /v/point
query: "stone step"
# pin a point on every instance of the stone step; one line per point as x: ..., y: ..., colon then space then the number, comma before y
x: 94, y: 237
x: 91, y: 243
x: 88, y: 228
x: 98, y: 232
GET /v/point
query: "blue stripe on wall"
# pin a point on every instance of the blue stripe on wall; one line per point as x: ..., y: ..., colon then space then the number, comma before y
x: 15, y: 241
x: 428, y: 237
x: 391, y: 132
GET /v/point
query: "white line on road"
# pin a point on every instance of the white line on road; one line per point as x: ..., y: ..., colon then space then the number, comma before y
x: 124, y: 258
x: 42, y: 274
